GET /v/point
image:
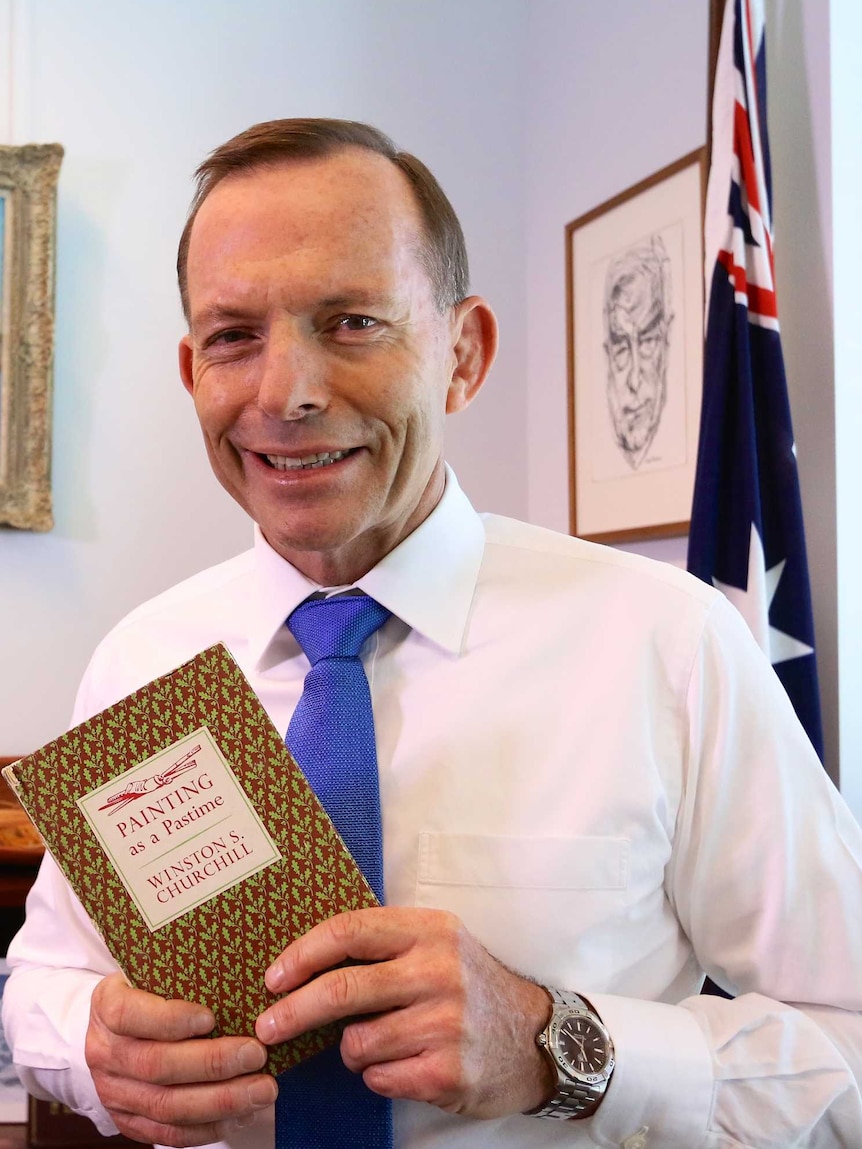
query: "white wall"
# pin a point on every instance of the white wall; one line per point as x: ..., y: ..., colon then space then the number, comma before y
x: 798, y: 70
x: 846, y: 112
x: 138, y: 93
x: 617, y: 91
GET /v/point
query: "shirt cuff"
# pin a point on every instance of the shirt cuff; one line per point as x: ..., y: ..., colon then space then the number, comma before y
x: 53, y: 1066
x: 663, y: 1079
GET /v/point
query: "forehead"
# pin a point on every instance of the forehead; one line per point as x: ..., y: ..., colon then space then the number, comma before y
x: 348, y: 215
x: 635, y: 300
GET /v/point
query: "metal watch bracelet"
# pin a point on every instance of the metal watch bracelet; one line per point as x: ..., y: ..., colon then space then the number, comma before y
x: 570, y: 1098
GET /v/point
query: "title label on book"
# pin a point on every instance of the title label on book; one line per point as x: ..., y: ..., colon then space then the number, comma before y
x: 179, y: 829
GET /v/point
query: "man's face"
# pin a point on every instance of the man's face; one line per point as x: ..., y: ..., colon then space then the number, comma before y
x: 320, y: 364
x: 636, y: 347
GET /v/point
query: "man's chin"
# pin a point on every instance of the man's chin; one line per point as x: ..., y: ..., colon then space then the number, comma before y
x: 330, y: 557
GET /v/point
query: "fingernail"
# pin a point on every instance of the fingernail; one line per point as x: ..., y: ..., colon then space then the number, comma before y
x: 274, y: 976
x: 251, y: 1057
x: 244, y: 1120
x: 262, y: 1092
x: 265, y: 1027
x: 202, y: 1022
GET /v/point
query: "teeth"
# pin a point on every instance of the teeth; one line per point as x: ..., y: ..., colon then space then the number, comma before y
x: 286, y: 463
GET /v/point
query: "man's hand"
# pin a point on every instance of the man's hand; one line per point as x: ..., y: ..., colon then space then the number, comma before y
x: 158, y: 1075
x: 434, y: 1016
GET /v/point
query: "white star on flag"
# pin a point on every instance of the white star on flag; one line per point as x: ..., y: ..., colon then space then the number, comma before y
x: 754, y: 601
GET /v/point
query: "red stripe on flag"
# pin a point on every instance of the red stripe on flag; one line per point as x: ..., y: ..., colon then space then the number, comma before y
x: 735, y: 271
x: 750, y: 86
x: 745, y: 153
x: 761, y: 301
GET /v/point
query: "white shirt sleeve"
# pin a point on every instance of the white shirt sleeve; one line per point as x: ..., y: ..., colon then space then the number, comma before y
x: 46, y: 1018
x: 57, y: 960
x: 776, y: 919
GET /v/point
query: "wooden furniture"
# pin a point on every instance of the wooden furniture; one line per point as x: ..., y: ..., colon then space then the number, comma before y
x: 20, y: 854
x: 19, y: 861
x: 13, y: 1137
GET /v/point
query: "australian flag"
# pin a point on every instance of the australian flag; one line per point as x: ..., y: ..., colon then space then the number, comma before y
x: 746, y: 534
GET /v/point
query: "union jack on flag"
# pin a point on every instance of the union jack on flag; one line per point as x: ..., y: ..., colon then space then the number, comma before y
x: 746, y: 534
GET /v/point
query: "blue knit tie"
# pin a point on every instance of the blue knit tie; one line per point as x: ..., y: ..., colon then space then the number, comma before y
x: 321, y: 1104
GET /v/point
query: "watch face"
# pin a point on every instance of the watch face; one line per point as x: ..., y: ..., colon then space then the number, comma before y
x: 583, y: 1046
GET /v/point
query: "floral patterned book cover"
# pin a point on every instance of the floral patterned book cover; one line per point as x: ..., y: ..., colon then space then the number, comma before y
x: 193, y: 840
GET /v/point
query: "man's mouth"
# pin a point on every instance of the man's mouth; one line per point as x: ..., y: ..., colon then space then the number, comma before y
x: 306, y: 462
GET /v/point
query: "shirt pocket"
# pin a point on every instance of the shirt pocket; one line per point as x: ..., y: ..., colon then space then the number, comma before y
x: 534, y: 902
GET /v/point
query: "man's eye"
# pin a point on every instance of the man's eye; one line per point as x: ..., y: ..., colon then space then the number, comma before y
x: 356, y: 323
x: 232, y: 336
x: 621, y: 353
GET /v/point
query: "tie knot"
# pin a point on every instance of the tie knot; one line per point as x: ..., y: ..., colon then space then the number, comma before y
x: 336, y: 627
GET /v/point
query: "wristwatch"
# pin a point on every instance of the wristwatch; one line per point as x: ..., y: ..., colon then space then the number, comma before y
x: 581, y: 1053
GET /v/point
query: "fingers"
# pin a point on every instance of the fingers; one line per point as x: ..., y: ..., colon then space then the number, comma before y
x: 406, y: 961
x: 435, y: 1078
x: 174, y: 1063
x: 394, y: 1036
x: 145, y: 1038
x: 130, y: 1012
x: 430, y: 1014
x: 159, y: 1079
x: 333, y: 996
x: 186, y: 1115
x: 364, y: 935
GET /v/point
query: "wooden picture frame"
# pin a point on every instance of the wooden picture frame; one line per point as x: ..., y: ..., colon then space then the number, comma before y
x: 634, y: 282
x: 28, y: 187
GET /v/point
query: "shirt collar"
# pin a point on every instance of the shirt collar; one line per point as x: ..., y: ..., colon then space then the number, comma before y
x: 427, y: 581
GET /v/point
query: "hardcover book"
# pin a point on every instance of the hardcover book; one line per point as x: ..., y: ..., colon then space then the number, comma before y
x: 193, y: 841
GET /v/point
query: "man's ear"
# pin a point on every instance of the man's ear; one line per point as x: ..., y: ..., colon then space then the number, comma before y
x: 185, y: 356
x: 475, y: 347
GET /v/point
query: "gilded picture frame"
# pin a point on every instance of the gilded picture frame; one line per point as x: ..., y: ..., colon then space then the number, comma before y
x: 28, y: 193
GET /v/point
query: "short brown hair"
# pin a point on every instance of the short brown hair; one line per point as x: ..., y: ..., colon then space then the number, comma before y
x: 265, y: 145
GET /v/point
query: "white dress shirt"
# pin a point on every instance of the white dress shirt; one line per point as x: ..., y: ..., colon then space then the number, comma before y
x: 585, y: 756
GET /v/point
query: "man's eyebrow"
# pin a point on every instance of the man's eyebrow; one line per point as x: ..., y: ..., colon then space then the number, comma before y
x: 355, y: 297
x: 649, y: 327
x: 349, y: 299
x: 216, y: 313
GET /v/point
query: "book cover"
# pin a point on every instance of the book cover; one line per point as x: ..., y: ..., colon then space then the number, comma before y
x: 193, y: 841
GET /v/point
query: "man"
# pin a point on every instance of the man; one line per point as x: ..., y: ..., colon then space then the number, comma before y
x: 638, y: 316
x: 584, y: 763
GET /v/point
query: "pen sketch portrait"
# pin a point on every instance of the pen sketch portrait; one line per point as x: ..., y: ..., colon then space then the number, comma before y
x: 638, y: 314
x: 28, y: 187
x: 635, y: 271
x: 638, y: 404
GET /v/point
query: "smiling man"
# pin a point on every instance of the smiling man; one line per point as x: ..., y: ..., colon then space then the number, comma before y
x: 590, y: 789
x: 321, y: 364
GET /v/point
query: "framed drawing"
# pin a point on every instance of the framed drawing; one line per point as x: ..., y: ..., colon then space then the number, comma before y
x: 634, y: 277
x: 28, y: 188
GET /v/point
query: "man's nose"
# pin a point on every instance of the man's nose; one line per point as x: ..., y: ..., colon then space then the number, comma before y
x: 292, y: 381
x: 634, y: 380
